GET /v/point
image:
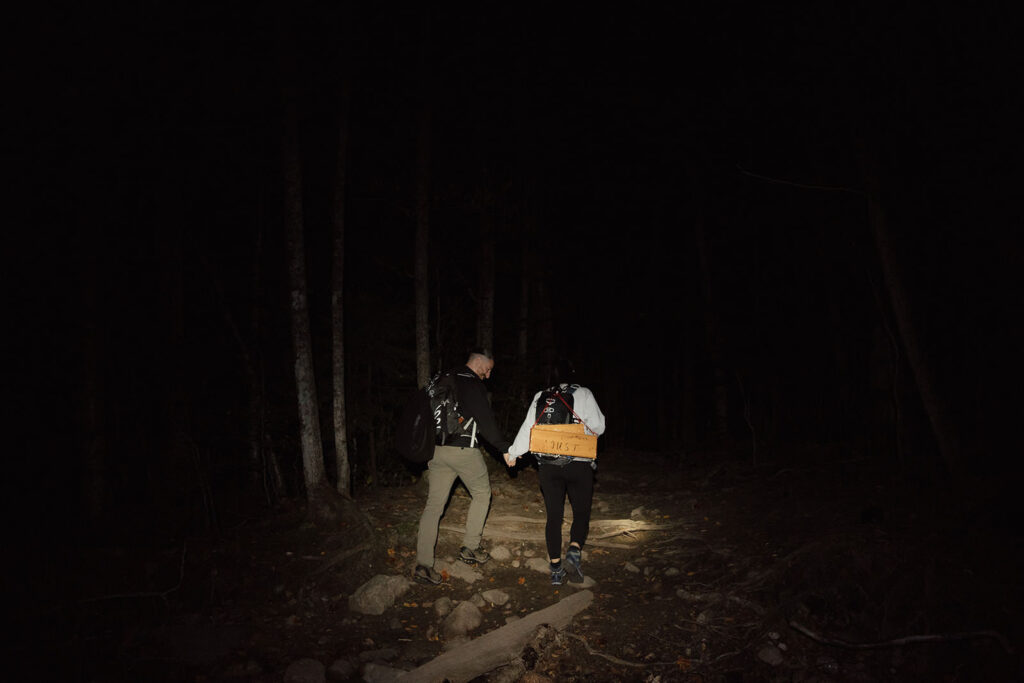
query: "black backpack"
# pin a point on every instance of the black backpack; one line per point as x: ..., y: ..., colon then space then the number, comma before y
x: 552, y: 410
x: 430, y: 418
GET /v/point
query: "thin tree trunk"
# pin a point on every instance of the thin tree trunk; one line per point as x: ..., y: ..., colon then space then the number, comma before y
x: 338, y: 302
x: 305, y: 380
x: 254, y: 368
x: 942, y: 426
x: 545, y: 329
x: 277, y: 488
x: 524, y: 305
x: 720, y: 395
x: 94, y: 483
x: 249, y: 352
x: 485, y: 312
x: 422, y: 280
x: 688, y: 392
x: 168, y: 241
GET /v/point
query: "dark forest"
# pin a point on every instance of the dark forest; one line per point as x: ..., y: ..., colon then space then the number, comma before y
x: 767, y: 236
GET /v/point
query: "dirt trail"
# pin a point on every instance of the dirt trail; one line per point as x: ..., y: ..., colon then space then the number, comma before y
x: 701, y: 572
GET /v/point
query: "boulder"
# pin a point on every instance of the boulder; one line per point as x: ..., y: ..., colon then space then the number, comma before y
x: 378, y: 594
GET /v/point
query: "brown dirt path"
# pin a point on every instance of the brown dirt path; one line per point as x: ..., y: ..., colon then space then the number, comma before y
x: 701, y: 570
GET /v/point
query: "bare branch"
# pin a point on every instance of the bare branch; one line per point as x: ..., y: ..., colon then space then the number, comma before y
x: 895, y: 642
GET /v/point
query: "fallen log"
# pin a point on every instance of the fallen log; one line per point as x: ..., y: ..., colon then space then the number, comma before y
x: 497, y: 648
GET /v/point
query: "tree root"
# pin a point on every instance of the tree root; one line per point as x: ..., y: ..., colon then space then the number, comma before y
x: 146, y: 594
x: 340, y: 557
x: 896, y: 642
x: 616, y: 660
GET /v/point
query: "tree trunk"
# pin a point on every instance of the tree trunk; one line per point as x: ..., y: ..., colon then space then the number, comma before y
x: 545, y: 329
x: 422, y: 280
x: 942, y: 426
x: 94, y: 482
x: 688, y: 393
x: 338, y: 303
x: 485, y: 311
x: 720, y: 391
x: 305, y: 380
x: 254, y: 370
x: 524, y: 305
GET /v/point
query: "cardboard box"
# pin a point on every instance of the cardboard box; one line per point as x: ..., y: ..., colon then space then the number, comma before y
x: 570, y: 439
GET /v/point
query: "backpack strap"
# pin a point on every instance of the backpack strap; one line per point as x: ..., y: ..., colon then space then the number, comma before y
x: 558, y: 393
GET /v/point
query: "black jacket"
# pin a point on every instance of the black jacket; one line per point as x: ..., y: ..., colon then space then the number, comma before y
x: 473, y: 403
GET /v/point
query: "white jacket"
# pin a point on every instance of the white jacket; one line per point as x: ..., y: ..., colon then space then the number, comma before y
x: 583, y: 404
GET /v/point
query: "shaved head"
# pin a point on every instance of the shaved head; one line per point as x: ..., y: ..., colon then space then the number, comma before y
x: 481, y: 362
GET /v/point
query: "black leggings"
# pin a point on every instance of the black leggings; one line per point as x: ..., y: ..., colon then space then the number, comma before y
x: 576, y: 479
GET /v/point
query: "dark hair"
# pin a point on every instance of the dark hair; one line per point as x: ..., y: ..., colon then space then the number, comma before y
x: 564, y: 372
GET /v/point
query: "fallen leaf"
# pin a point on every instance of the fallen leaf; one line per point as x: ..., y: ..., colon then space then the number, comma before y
x: 521, y: 580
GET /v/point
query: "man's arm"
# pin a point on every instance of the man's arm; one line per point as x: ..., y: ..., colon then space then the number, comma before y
x: 473, y: 399
x: 522, y: 441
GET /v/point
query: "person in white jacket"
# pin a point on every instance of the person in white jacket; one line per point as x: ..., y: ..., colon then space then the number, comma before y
x: 564, y: 402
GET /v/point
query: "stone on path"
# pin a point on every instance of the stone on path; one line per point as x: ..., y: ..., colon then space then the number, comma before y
x: 340, y: 670
x: 495, y: 597
x: 769, y: 654
x: 538, y: 564
x: 378, y: 594
x: 380, y: 673
x: 305, y: 671
x: 501, y: 553
x: 464, y: 618
x: 458, y: 570
x: 443, y: 606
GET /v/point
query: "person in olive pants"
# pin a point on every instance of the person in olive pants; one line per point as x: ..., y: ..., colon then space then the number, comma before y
x: 464, y: 460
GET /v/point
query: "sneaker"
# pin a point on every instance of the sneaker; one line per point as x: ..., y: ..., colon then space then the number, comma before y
x: 575, y: 563
x: 425, y: 574
x: 478, y: 556
x: 557, y: 574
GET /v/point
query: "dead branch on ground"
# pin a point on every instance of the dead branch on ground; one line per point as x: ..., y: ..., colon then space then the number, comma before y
x: 498, y: 647
x: 340, y: 557
x: 896, y: 642
x: 146, y: 594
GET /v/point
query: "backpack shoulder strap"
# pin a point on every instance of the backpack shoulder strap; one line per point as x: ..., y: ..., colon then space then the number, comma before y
x: 559, y: 395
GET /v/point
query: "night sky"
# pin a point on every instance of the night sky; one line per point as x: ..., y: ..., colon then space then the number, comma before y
x: 144, y: 147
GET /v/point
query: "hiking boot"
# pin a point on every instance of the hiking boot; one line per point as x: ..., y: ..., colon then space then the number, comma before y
x: 557, y: 574
x: 575, y: 563
x: 478, y: 556
x: 425, y: 574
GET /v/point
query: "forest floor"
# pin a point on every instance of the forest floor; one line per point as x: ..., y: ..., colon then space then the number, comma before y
x: 829, y: 570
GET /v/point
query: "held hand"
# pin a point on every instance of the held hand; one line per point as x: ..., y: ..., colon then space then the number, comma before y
x: 510, y: 460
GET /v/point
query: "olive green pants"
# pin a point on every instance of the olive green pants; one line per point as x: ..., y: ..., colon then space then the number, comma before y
x: 448, y: 463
